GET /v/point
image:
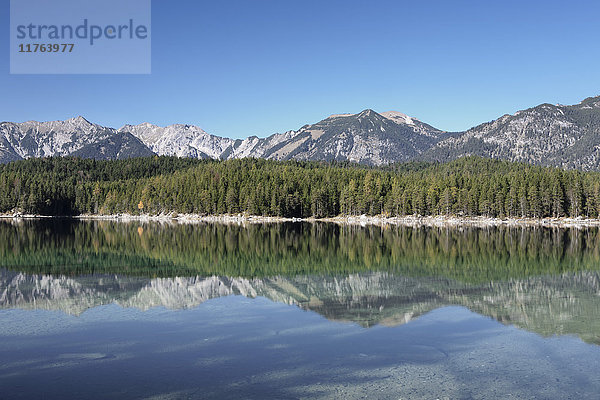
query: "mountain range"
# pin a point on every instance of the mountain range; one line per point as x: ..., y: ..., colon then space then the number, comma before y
x: 553, y: 135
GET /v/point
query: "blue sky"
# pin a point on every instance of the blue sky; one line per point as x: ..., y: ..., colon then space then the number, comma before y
x: 255, y: 67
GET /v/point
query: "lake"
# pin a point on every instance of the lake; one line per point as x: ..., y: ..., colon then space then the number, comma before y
x: 101, y: 309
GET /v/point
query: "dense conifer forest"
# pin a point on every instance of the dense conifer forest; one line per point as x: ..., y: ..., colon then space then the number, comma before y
x: 469, y: 186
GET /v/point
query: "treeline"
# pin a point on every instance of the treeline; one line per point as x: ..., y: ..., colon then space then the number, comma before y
x: 469, y: 186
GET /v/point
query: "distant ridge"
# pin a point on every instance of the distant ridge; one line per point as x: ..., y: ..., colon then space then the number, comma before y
x: 554, y: 135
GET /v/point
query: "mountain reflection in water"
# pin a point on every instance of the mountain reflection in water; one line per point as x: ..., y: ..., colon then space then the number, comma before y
x: 548, y: 305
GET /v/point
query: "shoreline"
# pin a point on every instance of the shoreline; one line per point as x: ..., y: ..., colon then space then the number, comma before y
x: 363, y: 220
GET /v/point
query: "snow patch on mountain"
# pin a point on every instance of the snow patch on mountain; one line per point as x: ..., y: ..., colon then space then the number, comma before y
x: 398, y: 117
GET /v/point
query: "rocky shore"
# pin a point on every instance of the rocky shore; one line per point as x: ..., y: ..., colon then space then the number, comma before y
x: 410, y: 220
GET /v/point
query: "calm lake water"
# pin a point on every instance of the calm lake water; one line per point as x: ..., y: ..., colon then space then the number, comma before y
x: 289, y: 311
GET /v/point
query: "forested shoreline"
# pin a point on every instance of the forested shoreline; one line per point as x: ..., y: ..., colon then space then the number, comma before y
x: 466, y: 187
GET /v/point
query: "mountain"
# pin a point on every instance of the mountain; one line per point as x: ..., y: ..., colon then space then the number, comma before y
x: 552, y: 135
x: 367, y: 137
x: 548, y: 305
x: 75, y: 136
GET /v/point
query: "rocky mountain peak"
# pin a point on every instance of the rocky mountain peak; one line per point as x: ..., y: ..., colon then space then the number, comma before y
x: 79, y: 120
x: 367, y: 114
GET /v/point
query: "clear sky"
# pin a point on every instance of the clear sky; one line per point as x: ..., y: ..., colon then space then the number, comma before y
x: 256, y: 67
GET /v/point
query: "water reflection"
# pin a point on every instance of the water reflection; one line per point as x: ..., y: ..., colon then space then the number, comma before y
x: 86, y: 311
x: 547, y: 305
x: 470, y: 255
